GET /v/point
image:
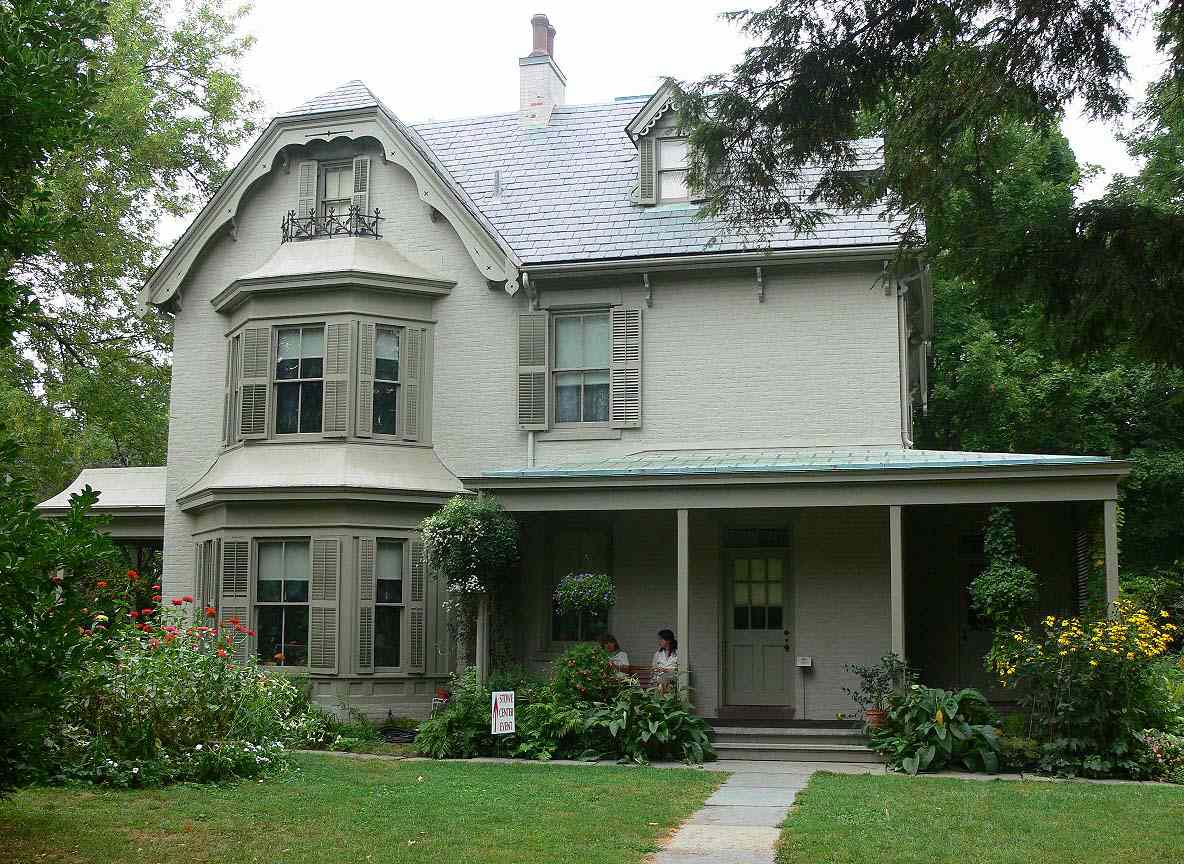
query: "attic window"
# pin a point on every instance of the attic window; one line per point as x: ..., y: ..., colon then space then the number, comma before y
x: 672, y: 170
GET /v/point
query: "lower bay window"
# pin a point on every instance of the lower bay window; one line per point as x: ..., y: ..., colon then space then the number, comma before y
x: 388, y: 605
x: 281, y: 602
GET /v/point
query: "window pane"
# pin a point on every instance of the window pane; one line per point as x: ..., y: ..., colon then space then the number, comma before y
x: 296, y: 591
x: 311, y: 367
x: 339, y: 181
x: 387, y: 370
x: 389, y: 561
x: 568, y: 343
x: 285, y: 369
x: 386, y: 402
x: 592, y: 625
x: 295, y: 635
x: 312, y: 342
x: 565, y: 627
x: 310, y: 407
x: 672, y: 185
x: 595, y: 396
x: 386, y: 635
x: 288, y: 344
x: 390, y: 591
x: 386, y: 344
x: 269, y: 632
x: 296, y: 564
x: 672, y: 153
x: 567, y: 397
x: 269, y: 591
x: 271, y: 561
x: 595, y: 342
x: 287, y: 408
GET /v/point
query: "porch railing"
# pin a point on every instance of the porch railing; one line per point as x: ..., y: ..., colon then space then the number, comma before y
x: 313, y: 225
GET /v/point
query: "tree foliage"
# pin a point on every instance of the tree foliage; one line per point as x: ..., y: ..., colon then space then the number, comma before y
x: 1006, y: 590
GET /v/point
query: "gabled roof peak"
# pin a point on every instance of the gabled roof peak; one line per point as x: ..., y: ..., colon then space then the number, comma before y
x: 350, y: 96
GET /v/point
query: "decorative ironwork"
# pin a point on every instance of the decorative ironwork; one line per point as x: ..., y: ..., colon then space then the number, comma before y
x: 313, y: 225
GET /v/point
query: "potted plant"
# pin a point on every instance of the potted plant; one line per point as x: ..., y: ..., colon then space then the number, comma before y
x: 876, y: 685
x: 585, y: 592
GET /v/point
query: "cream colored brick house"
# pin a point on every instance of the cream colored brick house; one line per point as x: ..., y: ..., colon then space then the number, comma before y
x: 371, y: 317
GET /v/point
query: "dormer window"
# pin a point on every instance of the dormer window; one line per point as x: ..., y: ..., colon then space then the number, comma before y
x: 672, y: 170
x: 337, y: 187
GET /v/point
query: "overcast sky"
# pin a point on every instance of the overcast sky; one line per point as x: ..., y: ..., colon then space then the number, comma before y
x: 457, y: 58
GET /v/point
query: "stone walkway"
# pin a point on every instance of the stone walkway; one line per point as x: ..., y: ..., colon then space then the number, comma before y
x: 740, y: 823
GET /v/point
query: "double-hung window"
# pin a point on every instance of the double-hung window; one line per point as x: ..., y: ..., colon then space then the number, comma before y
x: 299, y: 375
x: 581, y: 368
x: 337, y: 187
x: 386, y: 380
x: 281, y: 602
x: 672, y: 170
x: 388, y: 604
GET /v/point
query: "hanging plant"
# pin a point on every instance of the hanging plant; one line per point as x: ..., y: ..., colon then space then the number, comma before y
x: 585, y: 592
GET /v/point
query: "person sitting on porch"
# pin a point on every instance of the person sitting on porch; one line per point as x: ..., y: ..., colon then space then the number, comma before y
x: 665, y: 662
x: 618, y: 658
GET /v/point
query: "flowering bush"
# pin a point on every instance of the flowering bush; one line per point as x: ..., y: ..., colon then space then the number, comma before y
x: 470, y: 543
x: 1165, y: 755
x: 585, y: 592
x: 1089, y: 687
x: 584, y: 673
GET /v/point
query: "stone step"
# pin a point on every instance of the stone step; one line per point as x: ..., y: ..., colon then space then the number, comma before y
x: 786, y: 735
x: 782, y: 752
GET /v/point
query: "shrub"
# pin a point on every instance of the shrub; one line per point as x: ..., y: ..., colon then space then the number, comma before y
x: 641, y: 725
x: 877, y: 683
x: 1006, y: 589
x: 930, y: 729
x: 1090, y: 688
x: 460, y: 730
x: 585, y: 674
x: 585, y: 592
x: 470, y: 543
x: 548, y: 729
x: 527, y: 685
x: 1165, y: 755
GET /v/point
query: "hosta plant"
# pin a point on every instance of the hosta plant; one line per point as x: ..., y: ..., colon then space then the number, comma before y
x: 643, y: 725
x: 929, y: 729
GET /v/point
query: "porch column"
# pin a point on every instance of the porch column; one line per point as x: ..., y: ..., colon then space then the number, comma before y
x: 896, y: 561
x: 1110, y: 526
x: 682, y: 593
x: 483, y: 639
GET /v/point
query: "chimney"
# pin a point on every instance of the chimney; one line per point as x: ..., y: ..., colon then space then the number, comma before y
x: 541, y: 85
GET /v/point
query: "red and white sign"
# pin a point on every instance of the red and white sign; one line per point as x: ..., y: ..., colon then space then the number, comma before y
x: 503, y: 713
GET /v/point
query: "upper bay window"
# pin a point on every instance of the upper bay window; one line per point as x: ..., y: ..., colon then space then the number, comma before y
x: 672, y: 170
x: 385, y: 413
x: 299, y: 375
x: 581, y: 368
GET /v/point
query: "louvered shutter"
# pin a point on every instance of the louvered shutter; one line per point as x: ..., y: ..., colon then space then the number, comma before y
x: 361, y: 196
x: 338, y: 360
x: 532, y: 370
x: 417, y: 625
x: 234, y: 602
x: 647, y: 175
x: 364, y: 422
x: 255, y: 384
x: 322, y: 602
x: 306, y: 195
x: 229, y: 427
x: 367, y: 549
x: 411, y: 375
x: 624, y: 389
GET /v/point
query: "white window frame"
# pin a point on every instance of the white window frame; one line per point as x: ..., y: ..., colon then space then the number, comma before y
x: 660, y: 169
x: 323, y: 169
x: 557, y: 370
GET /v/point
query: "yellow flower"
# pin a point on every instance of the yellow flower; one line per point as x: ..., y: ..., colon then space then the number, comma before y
x: 940, y: 718
x: 1093, y: 662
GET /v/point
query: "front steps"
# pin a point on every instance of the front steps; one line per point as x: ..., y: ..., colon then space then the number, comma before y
x: 792, y: 744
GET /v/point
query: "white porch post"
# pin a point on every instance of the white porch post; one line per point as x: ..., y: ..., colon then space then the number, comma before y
x: 483, y: 639
x: 896, y: 559
x: 1110, y: 526
x: 683, y: 606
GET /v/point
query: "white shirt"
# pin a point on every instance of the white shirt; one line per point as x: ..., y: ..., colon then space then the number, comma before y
x: 662, y: 660
x: 620, y: 659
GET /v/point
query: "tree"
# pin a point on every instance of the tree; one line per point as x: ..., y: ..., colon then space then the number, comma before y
x: 939, y: 79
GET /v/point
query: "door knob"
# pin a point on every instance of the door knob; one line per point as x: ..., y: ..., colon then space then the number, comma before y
x: 786, y: 632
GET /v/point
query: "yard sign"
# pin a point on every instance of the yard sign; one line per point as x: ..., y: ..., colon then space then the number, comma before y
x: 503, y: 713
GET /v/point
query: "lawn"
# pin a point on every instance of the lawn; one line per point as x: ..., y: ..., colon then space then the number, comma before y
x: 339, y: 809
x: 892, y: 819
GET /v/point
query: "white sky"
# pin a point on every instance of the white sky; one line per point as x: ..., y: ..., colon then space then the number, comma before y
x: 457, y: 58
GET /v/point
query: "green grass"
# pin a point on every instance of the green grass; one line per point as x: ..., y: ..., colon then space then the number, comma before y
x: 891, y: 819
x: 336, y: 809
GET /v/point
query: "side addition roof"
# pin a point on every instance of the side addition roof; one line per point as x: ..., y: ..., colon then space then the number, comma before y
x: 120, y: 489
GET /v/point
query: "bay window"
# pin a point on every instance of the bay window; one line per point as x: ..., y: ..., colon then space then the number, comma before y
x: 299, y: 375
x: 281, y: 602
x: 388, y: 604
x: 386, y: 380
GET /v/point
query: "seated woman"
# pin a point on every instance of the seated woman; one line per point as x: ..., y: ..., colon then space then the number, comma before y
x: 617, y: 657
x: 665, y: 662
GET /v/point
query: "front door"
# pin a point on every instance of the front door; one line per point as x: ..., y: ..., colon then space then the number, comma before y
x: 760, y: 646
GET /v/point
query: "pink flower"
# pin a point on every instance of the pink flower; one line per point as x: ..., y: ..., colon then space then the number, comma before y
x: 188, y: 598
x: 176, y: 601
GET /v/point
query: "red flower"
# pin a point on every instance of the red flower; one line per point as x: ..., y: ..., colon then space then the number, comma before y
x: 188, y: 598
x: 133, y: 575
x: 155, y: 598
x: 176, y: 601
x: 211, y: 611
x: 235, y: 621
x: 147, y: 611
x: 154, y: 643
x: 134, y: 614
x: 102, y: 583
x: 155, y: 587
x: 222, y: 652
x: 169, y: 637
x: 251, y: 633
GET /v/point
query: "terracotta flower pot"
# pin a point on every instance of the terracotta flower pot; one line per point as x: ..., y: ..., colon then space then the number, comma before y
x: 876, y: 717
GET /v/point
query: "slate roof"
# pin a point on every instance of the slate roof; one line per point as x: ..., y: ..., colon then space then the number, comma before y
x: 562, y: 192
x: 789, y: 460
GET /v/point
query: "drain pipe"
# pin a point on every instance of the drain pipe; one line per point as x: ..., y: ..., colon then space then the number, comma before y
x: 530, y: 448
x: 902, y: 338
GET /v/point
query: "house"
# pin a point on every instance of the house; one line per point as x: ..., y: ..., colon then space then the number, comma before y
x: 371, y: 317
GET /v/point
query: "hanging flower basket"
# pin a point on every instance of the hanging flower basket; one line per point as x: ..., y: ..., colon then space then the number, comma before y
x: 585, y: 592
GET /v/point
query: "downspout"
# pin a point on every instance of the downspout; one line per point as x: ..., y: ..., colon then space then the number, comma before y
x: 902, y: 341
x: 530, y: 449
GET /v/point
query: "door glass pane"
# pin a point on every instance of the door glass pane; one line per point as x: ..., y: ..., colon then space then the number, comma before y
x: 774, y: 618
x: 595, y: 342
x: 740, y: 592
x: 568, y: 343
x: 386, y: 635
x: 759, y: 598
x: 339, y: 181
x: 758, y: 618
x: 775, y: 594
x: 740, y: 618
x: 567, y: 397
x: 740, y: 568
x: 758, y: 569
x: 595, y: 397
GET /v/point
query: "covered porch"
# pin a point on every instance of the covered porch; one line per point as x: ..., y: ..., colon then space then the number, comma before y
x: 778, y: 569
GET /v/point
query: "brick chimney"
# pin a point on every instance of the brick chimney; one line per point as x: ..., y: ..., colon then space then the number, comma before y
x: 541, y: 86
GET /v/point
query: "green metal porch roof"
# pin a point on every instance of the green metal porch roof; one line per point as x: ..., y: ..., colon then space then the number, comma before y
x: 790, y: 460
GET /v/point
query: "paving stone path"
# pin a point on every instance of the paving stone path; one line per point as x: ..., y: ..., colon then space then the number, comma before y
x: 740, y: 823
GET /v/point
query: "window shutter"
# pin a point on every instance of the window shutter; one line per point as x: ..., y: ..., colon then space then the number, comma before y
x: 366, y: 589
x: 417, y: 629
x: 532, y: 370
x: 361, y: 196
x: 306, y: 196
x: 338, y: 360
x: 322, y: 612
x: 647, y: 173
x: 229, y: 427
x: 411, y: 376
x: 624, y: 388
x: 234, y: 603
x: 364, y: 422
x: 207, y: 554
x: 255, y: 386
